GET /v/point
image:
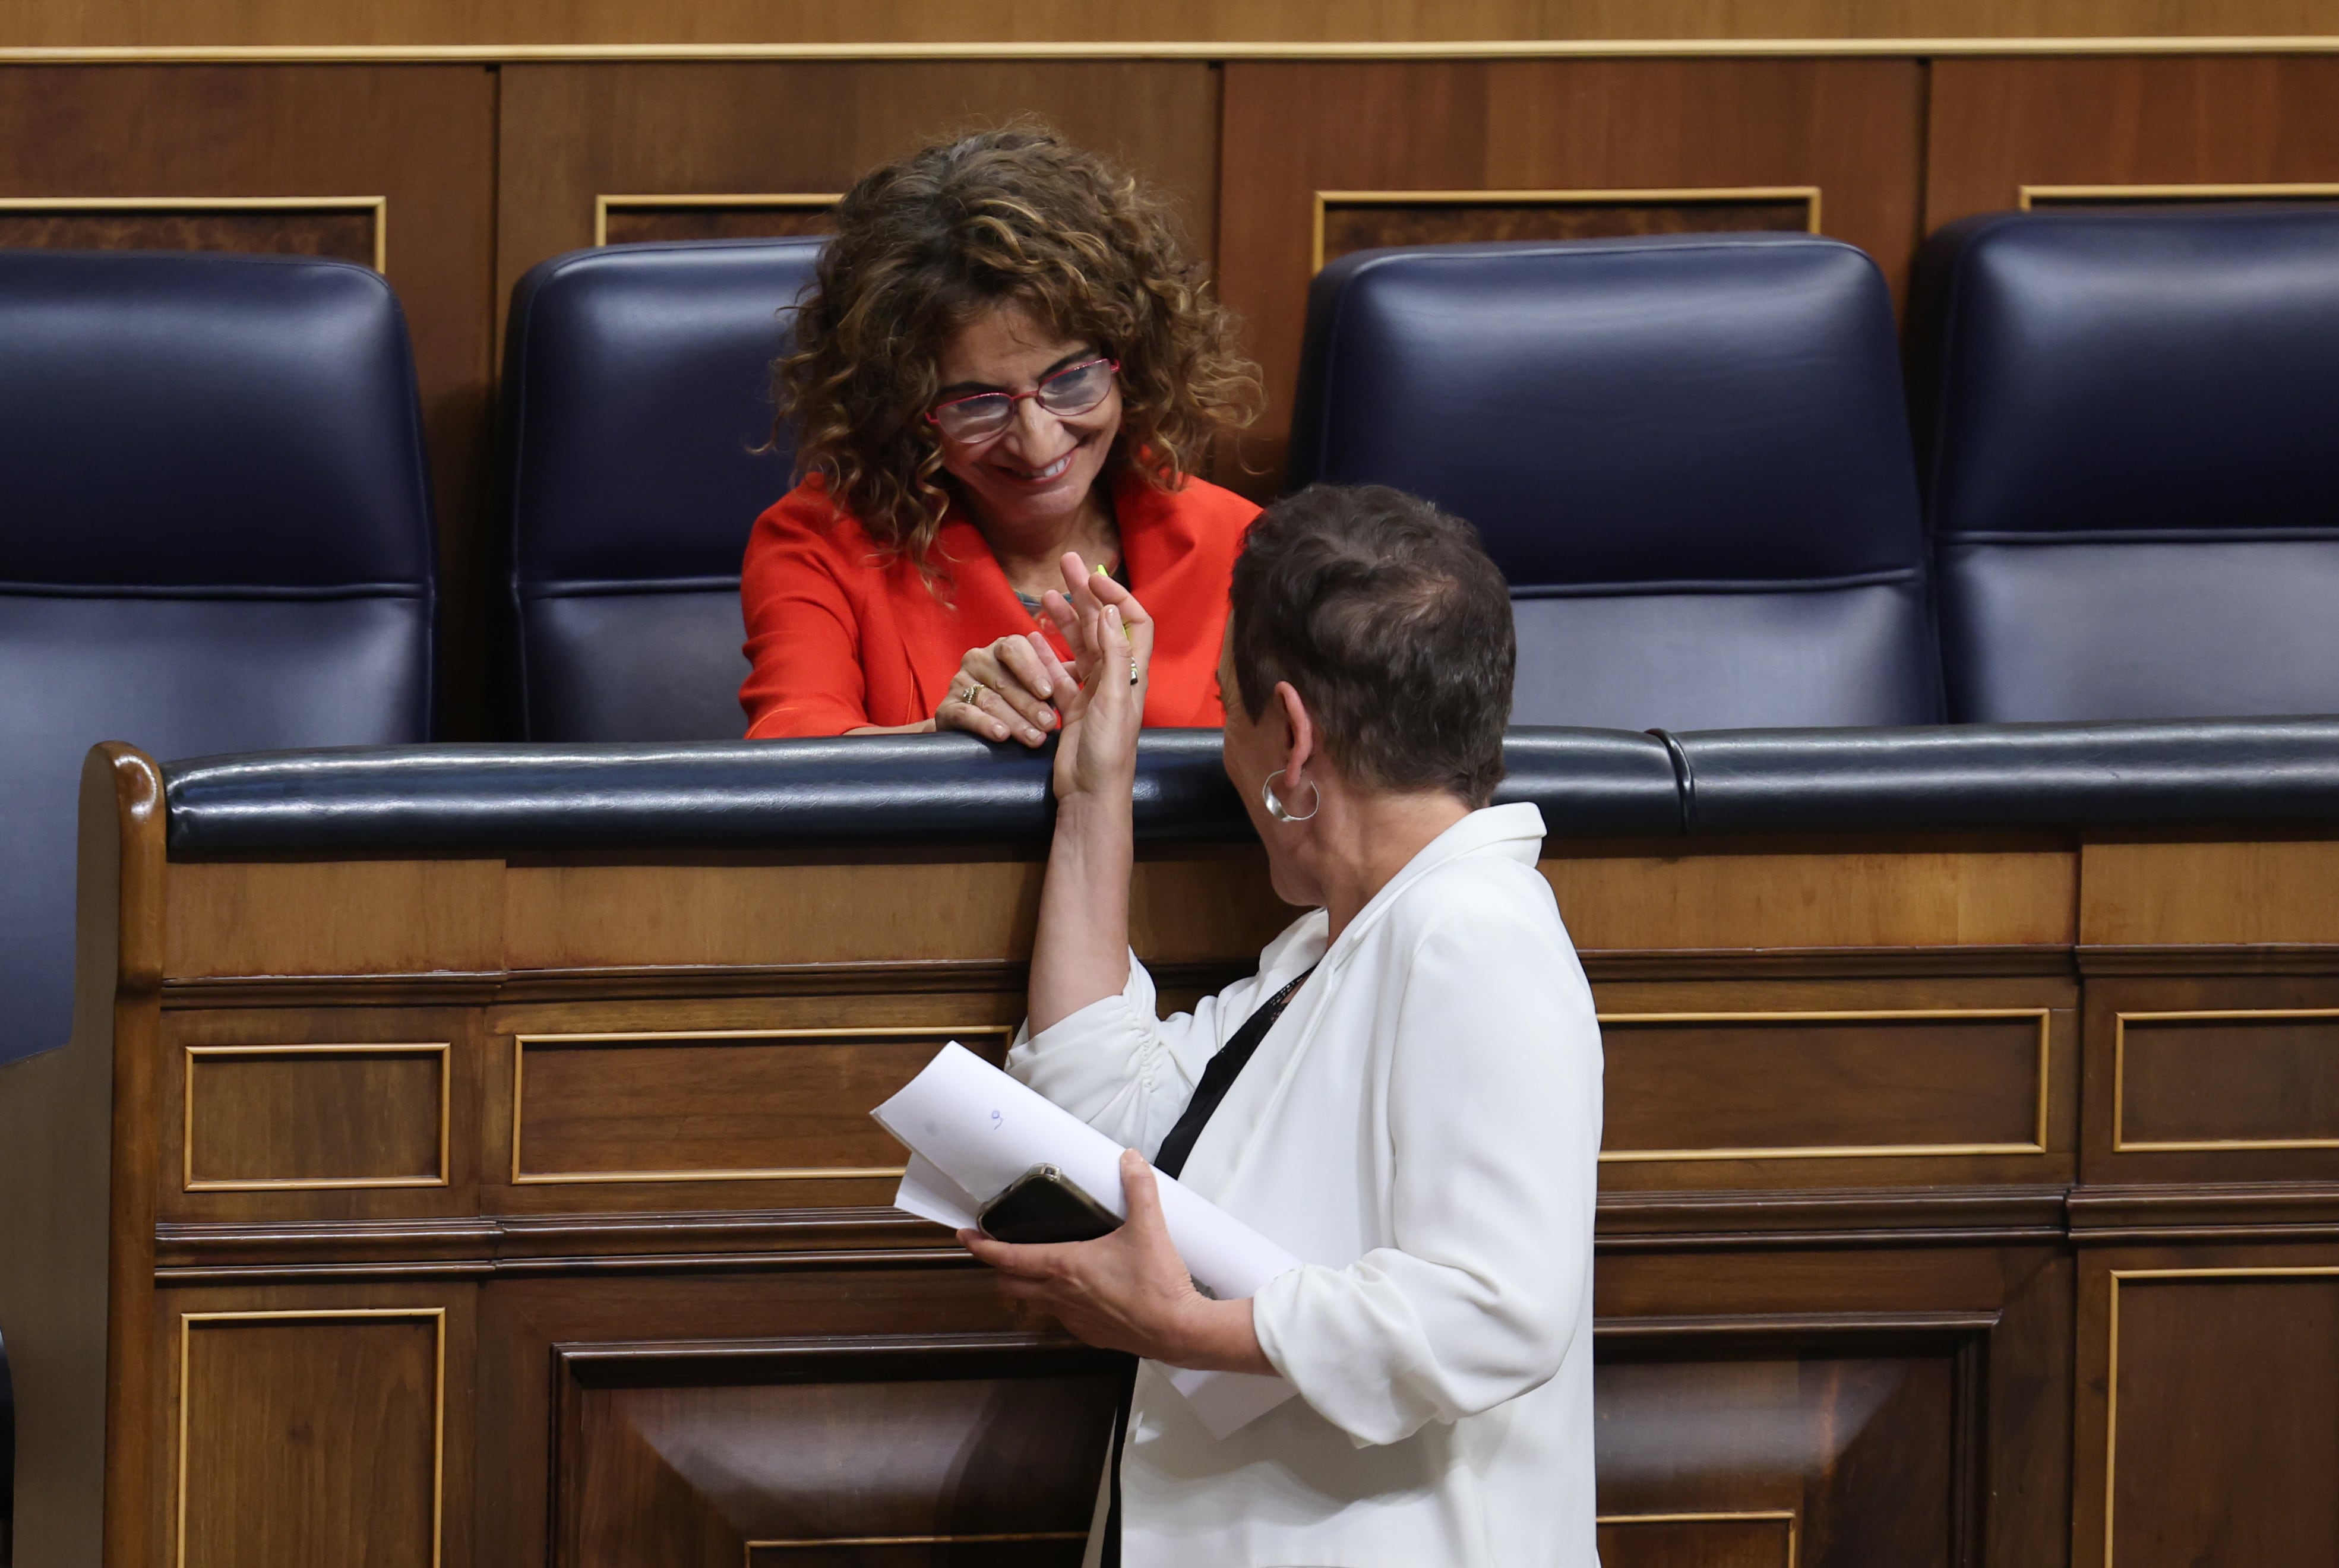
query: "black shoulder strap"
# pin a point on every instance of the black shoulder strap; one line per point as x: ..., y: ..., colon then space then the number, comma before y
x: 1217, y: 1079
x: 1220, y: 1077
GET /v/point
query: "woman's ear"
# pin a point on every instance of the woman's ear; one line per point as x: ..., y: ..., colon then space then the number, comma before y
x: 1298, y: 727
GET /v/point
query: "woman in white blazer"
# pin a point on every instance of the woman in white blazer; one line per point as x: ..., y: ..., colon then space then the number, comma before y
x: 1420, y: 1121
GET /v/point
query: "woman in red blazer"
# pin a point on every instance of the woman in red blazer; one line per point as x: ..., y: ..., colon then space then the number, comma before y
x: 1004, y: 376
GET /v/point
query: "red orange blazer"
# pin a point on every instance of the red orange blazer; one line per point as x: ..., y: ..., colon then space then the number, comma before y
x: 840, y: 636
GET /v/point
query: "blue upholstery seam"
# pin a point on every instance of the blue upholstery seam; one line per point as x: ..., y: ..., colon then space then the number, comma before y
x: 1896, y: 577
x: 2142, y: 537
x: 594, y: 587
x: 217, y: 591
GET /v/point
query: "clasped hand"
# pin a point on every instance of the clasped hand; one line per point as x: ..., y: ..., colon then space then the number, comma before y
x: 1018, y: 689
x: 1128, y: 1291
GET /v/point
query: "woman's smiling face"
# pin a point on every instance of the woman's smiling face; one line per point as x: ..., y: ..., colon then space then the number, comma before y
x: 1036, y: 473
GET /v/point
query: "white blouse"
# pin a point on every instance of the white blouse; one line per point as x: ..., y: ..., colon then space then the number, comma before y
x: 1422, y: 1126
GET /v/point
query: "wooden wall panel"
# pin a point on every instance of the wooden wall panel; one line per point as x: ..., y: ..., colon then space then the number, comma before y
x: 338, y: 1113
x: 1691, y: 1085
x: 1828, y: 1457
x: 909, y: 1452
x: 316, y: 1116
x: 311, y: 1438
x: 2212, y: 1079
x: 1927, y: 1078
x: 348, y: 231
x: 1850, y: 127
x: 334, y: 917
x: 422, y: 137
x: 1360, y: 220
x: 669, y: 1106
x: 1810, y: 896
x: 2000, y: 124
x: 570, y: 133
x: 2179, y: 893
x: 2205, y: 1432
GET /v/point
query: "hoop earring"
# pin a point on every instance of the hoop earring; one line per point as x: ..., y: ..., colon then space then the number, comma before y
x: 1274, y: 804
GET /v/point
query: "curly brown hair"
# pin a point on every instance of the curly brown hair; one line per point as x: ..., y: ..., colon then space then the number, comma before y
x: 924, y: 245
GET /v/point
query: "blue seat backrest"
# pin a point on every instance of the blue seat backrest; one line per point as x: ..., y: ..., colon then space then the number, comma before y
x: 640, y: 385
x: 1688, y: 454
x: 215, y: 535
x: 2131, y: 420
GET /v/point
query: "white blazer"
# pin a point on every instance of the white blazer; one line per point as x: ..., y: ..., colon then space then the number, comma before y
x: 1422, y: 1126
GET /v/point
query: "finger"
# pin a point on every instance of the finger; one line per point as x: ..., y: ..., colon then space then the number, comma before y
x: 1119, y: 651
x: 957, y: 714
x: 1141, y: 1191
x: 1079, y: 584
x: 1134, y: 618
x: 1028, y: 688
x: 1033, y: 1262
x: 1067, y: 617
x: 1011, y: 725
x: 1061, y: 682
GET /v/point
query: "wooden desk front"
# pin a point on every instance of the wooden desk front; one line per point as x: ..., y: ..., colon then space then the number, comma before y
x: 1960, y: 1193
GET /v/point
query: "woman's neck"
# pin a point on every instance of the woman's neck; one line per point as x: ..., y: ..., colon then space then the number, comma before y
x: 1366, y: 838
x: 1029, y: 554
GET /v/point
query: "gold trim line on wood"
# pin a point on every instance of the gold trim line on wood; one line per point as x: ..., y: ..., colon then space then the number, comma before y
x: 2121, y: 1145
x: 2209, y: 192
x: 1569, y: 197
x: 520, y: 1042
x: 1749, y: 1516
x: 1849, y: 1151
x: 293, y: 1184
x: 781, y: 200
x: 435, y: 1315
x: 1201, y: 49
x: 2111, y: 1350
x: 378, y: 206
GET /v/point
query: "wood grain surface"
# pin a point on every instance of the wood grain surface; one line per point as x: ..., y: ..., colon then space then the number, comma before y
x: 2183, y: 893
x: 1758, y: 894
x: 1360, y: 225
x: 670, y: 1106
x: 1997, y: 125
x: 416, y: 917
x: 1692, y: 1085
x: 345, y: 235
x: 293, y: 22
x: 2192, y: 1064
x: 324, y: 1115
x: 310, y: 1440
x: 1853, y: 128
x: 568, y: 133
x: 672, y: 1460
x: 2203, y: 1436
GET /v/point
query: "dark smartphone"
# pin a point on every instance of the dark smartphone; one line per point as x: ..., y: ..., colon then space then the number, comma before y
x: 1043, y: 1205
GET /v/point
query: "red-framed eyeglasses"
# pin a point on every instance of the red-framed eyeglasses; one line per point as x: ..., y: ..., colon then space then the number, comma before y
x: 1072, y: 391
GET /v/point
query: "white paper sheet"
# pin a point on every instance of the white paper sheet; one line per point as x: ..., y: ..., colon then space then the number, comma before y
x: 972, y: 1129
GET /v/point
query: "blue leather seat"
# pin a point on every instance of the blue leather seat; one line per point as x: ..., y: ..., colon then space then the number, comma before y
x: 1688, y: 454
x: 2129, y: 479
x: 214, y: 536
x: 639, y: 380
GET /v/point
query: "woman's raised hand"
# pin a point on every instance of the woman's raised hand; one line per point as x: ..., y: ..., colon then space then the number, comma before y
x: 1011, y: 690
x: 1111, y: 639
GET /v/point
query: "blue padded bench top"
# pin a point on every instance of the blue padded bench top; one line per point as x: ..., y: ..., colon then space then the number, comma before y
x: 955, y: 789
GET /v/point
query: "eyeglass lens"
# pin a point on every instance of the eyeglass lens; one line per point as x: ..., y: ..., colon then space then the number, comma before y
x: 1072, y: 391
